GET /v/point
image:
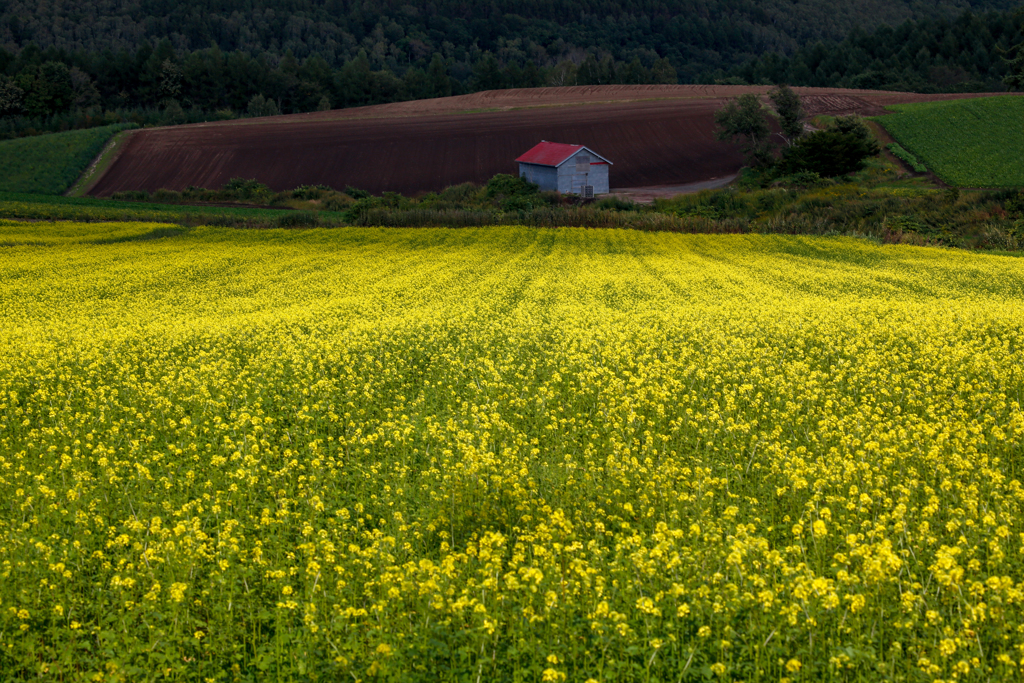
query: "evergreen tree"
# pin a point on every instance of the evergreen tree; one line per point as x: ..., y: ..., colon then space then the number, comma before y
x: 532, y: 77
x: 1014, y: 61
x: 487, y: 74
x: 438, y: 82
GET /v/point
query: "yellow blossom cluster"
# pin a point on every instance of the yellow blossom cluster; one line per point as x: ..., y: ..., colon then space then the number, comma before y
x: 509, y: 454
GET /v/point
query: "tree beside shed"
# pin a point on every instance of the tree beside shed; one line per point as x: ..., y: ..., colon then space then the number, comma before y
x: 569, y: 169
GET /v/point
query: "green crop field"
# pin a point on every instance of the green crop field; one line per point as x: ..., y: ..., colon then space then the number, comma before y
x: 507, y: 454
x: 50, y: 164
x: 968, y: 143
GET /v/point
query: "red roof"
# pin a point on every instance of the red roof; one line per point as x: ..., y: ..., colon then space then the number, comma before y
x: 552, y: 153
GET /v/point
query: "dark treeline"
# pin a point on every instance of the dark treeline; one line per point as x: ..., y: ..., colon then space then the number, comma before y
x: 695, y: 35
x: 48, y: 90
x: 932, y: 55
x: 68, y: 66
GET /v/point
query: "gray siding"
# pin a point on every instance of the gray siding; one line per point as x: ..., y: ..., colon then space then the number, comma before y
x: 569, y: 177
x: 545, y: 176
x: 572, y: 176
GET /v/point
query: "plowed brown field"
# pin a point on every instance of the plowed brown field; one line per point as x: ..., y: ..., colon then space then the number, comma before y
x: 654, y: 135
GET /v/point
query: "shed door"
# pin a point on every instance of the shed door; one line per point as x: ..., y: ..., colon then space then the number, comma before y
x: 580, y: 178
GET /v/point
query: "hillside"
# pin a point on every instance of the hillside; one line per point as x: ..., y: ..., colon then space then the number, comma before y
x: 49, y: 164
x: 153, y: 63
x: 654, y: 135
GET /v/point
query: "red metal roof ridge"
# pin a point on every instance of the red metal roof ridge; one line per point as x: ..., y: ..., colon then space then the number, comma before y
x: 546, y: 153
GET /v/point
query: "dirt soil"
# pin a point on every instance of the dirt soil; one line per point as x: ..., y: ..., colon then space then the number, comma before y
x: 647, y: 195
x: 655, y: 135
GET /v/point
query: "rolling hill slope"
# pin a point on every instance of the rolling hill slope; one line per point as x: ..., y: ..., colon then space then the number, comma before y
x: 654, y: 135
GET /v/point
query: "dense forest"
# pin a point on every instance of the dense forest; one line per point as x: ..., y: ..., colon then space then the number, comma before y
x: 968, y: 54
x: 65, y: 65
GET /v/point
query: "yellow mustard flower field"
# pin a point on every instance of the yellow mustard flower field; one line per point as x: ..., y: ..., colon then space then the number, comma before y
x: 508, y: 455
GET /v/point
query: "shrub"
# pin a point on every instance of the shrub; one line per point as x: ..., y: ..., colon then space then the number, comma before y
x: 356, y: 193
x: 337, y: 202
x: 517, y: 203
x: 1015, y: 203
x: 799, y: 179
x: 505, y: 185
x: 615, y: 204
x: 130, y: 196
x: 167, y: 196
x: 311, y: 192
x: 842, y: 148
x: 551, y: 197
x: 458, y: 193
x: 248, y: 189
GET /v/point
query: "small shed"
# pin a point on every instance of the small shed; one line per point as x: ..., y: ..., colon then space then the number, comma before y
x: 569, y: 169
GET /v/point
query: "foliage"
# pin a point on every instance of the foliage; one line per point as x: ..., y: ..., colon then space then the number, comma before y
x: 12, y: 97
x: 1014, y: 60
x: 513, y: 193
x: 789, y: 111
x: 248, y: 189
x: 562, y: 455
x: 746, y: 119
x: 932, y: 54
x: 356, y: 193
x: 47, y: 88
x: 261, y: 106
x: 907, y: 157
x: 312, y: 192
x: 841, y: 148
x: 971, y: 143
x: 977, y: 219
x: 728, y: 31
x: 50, y: 164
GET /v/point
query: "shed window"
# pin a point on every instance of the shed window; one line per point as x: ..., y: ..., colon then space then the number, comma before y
x: 583, y: 163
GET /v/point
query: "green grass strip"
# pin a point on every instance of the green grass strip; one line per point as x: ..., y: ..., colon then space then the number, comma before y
x: 89, y: 209
x: 907, y: 157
